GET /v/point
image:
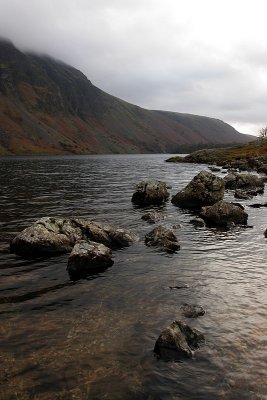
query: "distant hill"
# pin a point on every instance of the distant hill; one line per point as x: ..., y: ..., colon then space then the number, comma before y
x: 48, y: 107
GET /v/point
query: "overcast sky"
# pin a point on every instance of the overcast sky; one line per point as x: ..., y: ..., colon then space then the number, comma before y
x: 206, y: 57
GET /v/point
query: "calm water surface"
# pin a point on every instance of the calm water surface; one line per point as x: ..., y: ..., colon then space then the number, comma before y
x: 94, y: 338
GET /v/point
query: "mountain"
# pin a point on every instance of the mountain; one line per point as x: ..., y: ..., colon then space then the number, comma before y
x: 48, y: 107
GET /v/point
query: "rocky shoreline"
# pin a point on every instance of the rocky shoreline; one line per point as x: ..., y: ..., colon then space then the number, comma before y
x: 249, y: 157
x: 91, y: 243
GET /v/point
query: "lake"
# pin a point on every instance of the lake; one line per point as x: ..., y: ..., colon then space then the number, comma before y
x: 93, y: 338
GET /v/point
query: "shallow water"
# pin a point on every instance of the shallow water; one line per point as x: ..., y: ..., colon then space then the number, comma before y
x: 94, y: 338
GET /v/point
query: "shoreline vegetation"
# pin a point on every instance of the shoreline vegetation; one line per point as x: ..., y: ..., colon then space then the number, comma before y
x: 250, y: 156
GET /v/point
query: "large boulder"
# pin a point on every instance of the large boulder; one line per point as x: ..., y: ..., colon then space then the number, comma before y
x: 224, y: 214
x: 150, y: 192
x: 49, y: 236
x: 234, y: 180
x: 88, y: 257
x: 204, y: 189
x: 163, y: 238
x: 178, y: 341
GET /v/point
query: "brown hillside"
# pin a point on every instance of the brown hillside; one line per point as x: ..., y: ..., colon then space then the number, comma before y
x: 48, y: 107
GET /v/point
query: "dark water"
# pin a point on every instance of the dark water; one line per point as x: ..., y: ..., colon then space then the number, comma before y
x: 94, y: 338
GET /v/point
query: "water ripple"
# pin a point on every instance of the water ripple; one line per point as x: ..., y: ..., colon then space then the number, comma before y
x: 94, y: 338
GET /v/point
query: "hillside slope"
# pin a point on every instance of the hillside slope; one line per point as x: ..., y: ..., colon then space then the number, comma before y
x: 48, y: 107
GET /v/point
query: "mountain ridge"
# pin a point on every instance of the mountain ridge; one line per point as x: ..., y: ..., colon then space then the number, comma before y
x: 49, y: 107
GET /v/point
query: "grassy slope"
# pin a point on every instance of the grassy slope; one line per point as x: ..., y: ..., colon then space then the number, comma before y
x: 49, y: 107
x: 257, y: 149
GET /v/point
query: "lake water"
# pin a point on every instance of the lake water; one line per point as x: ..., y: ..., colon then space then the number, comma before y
x: 94, y: 338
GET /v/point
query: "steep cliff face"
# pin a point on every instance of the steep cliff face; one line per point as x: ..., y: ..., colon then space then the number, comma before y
x: 48, y: 107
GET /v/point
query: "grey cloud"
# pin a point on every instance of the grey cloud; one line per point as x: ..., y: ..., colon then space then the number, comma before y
x: 149, y: 53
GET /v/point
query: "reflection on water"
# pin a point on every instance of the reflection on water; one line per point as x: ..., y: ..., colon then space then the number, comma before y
x: 94, y: 338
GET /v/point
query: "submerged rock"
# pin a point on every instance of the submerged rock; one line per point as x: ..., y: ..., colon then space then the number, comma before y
x: 152, y: 216
x: 49, y: 236
x: 109, y: 235
x: 178, y: 341
x: 204, y: 189
x: 192, y: 310
x: 180, y: 286
x: 163, y: 238
x: 197, y: 222
x: 88, y: 257
x: 150, y: 192
x: 224, y: 214
x: 242, y: 194
x: 214, y: 168
x: 258, y: 205
x: 177, y: 226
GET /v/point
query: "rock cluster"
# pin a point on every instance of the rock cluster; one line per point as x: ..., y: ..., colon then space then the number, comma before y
x: 49, y: 236
x: 235, y: 180
x: 88, y: 241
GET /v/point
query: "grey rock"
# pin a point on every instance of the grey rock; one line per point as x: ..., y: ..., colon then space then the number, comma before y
x: 163, y: 238
x: 150, y: 192
x: 224, y: 214
x: 109, y: 235
x: 49, y: 236
x: 178, y: 341
x: 88, y: 257
x: 204, y: 189
x: 152, y: 216
x: 235, y: 180
x: 192, y: 310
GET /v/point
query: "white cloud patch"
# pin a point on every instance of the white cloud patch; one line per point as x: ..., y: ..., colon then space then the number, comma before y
x: 204, y: 57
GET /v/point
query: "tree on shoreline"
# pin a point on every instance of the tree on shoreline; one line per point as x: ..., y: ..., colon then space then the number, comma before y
x: 263, y: 133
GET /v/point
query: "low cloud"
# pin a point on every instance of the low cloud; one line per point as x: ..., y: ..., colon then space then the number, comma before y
x: 186, y: 56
